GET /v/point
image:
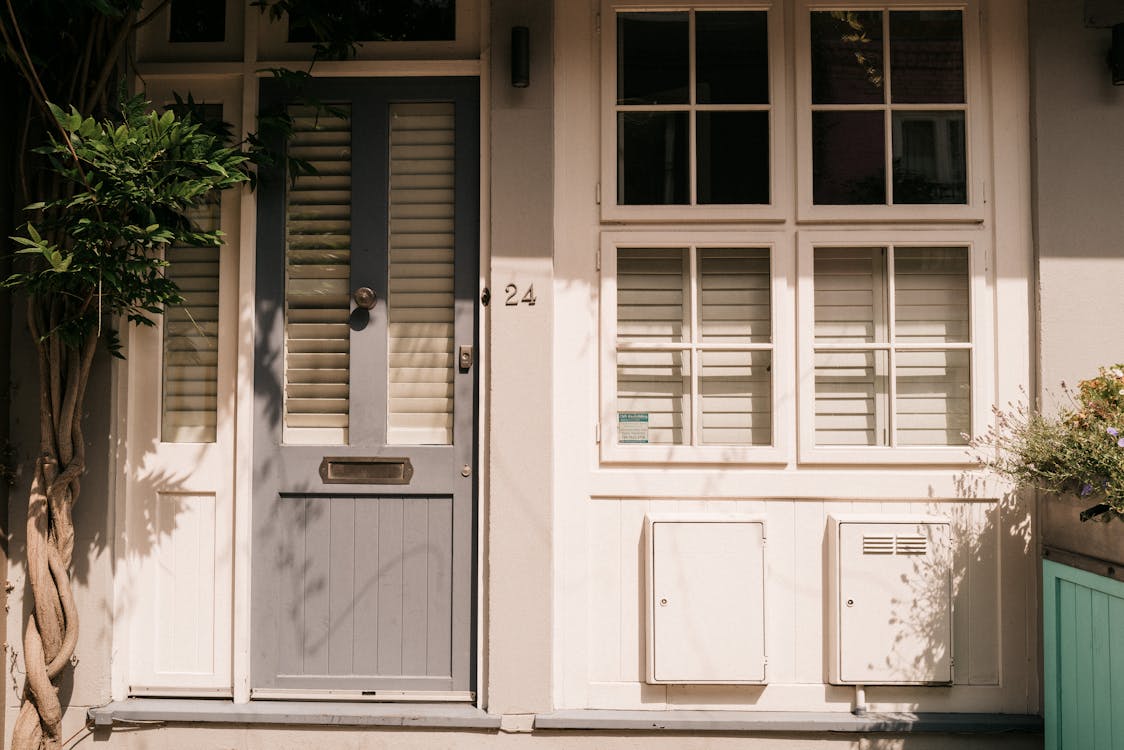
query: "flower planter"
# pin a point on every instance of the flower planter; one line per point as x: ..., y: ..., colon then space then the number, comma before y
x: 1062, y: 529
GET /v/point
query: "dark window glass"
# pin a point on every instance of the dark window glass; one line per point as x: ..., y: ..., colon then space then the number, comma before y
x: 733, y: 157
x: 652, y: 160
x: 847, y: 57
x: 929, y: 164
x: 378, y: 20
x: 848, y: 158
x: 732, y: 58
x: 927, y: 57
x: 197, y: 21
x: 652, y: 58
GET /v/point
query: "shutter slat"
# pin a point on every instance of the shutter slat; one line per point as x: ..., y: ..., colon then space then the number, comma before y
x: 420, y: 304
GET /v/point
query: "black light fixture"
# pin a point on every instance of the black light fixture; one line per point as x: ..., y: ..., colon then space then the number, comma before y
x: 521, y: 57
x: 1116, y: 55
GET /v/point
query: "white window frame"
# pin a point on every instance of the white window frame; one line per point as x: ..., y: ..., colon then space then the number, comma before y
x: 782, y: 305
x: 977, y: 154
x: 780, y: 188
x: 981, y: 326
x: 153, y: 44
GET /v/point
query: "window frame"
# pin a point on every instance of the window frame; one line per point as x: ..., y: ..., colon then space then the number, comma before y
x: 782, y: 305
x: 977, y: 154
x: 780, y: 189
x: 981, y: 327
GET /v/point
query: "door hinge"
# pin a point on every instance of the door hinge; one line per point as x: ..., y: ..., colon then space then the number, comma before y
x: 597, y: 23
x: 598, y: 259
x: 597, y: 194
x: 597, y: 433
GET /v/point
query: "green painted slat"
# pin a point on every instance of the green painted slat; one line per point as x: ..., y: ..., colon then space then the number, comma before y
x: 1083, y: 638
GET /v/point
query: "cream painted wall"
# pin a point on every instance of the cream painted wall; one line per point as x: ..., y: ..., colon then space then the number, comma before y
x: 1078, y: 118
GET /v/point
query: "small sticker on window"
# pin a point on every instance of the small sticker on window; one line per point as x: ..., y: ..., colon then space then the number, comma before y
x: 632, y: 426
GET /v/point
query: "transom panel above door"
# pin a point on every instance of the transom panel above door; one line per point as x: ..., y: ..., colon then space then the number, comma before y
x: 365, y: 391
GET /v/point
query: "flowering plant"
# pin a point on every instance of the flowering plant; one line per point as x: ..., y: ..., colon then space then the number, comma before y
x: 1079, y: 450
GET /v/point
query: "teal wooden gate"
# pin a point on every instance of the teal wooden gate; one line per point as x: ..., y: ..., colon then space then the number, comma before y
x: 1083, y: 633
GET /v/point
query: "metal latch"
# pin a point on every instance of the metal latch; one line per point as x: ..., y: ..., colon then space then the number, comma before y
x: 464, y: 359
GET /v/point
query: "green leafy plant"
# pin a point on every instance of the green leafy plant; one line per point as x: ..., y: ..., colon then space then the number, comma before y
x: 1079, y: 450
x: 92, y: 256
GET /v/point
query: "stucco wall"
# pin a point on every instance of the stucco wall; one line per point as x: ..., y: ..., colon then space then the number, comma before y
x: 1078, y: 154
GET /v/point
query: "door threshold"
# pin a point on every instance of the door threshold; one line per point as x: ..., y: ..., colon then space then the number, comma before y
x: 372, y: 696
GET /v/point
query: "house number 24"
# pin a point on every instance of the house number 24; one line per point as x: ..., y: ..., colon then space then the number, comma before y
x: 513, y: 298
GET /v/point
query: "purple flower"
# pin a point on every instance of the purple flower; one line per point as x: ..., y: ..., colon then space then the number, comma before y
x: 1120, y: 442
x: 1112, y: 431
x: 1086, y: 489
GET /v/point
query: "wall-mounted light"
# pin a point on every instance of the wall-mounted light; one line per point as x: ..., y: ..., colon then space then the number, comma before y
x: 521, y: 57
x: 1116, y: 55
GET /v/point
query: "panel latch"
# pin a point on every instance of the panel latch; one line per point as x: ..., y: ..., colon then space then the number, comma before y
x: 464, y: 358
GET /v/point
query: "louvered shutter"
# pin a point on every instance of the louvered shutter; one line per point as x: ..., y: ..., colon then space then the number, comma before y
x: 735, y: 387
x: 931, y: 306
x: 317, y: 280
x: 190, y: 338
x: 849, y: 309
x: 652, y: 309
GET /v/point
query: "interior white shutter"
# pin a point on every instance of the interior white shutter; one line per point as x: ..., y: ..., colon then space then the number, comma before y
x: 931, y: 306
x: 652, y: 308
x: 851, y: 385
x: 317, y: 280
x: 190, y: 339
x: 735, y: 387
x: 421, y: 274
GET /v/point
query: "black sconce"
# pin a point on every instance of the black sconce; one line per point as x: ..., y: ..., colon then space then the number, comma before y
x: 521, y: 57
x: 1116, y: 55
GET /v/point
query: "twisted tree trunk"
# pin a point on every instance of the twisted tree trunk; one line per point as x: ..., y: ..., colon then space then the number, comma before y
x: 52, y: 629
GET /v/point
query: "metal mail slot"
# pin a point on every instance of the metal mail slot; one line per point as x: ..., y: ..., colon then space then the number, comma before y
x: 366, y: 470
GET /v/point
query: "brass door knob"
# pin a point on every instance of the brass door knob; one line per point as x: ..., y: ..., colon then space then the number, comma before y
x: 364, y: 297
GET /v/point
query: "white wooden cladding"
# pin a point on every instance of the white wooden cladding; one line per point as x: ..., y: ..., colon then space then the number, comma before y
x: 893, y: 348
x: 189, y: 403
x: 420, y: 298
x: 317, y: 280
x: 694, y: 332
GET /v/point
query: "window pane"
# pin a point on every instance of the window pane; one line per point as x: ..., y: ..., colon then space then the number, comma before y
x: 929, y: 158
x: 420, y: 298
x: 733, y: 157
x: 735, y: 398
x: 651, y: 299
x: 849, y: 295
x: 927, y: 57
x: 933, y: 397
x: 931, y: 294
x: 378, y: 20
x: 734, y: 302
x: 654, y: 397
x: 851, y: 395
x: 848, y: 158
x: 732, y: 58
x: 197, y: 21
x: 652, y: 58
x: 847, y: 57
x: 317, y: 279
x: 652, y: 159
x: 191, y: 339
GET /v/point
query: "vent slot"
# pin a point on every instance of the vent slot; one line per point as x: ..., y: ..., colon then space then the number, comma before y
x: 912, y: 544
x: 878, y: 544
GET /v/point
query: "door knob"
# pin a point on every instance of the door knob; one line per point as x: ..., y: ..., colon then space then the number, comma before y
x: 364, y: 297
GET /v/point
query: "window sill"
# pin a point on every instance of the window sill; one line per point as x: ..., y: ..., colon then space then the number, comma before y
x: 306, y: 713
x: 785, y: 721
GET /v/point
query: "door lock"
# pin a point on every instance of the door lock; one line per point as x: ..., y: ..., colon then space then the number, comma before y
x: 464, y: 358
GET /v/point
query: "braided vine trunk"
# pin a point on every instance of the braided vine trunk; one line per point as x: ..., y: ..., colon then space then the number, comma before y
x: 52, y: 626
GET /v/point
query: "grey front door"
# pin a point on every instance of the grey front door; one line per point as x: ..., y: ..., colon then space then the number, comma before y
x: 365, y: 390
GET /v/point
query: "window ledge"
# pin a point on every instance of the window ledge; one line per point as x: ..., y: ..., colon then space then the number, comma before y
x: 786, y: 721
x: 310, y: 713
